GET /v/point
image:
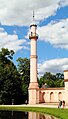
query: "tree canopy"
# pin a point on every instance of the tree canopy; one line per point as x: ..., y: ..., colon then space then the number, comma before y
x: 14, y: 81
x: 52, y: 80
x: 10, y: 82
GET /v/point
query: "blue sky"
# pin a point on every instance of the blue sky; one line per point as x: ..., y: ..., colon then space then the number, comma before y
x: 52, y: 27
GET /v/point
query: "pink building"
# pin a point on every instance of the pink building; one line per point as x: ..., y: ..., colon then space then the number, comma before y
x: 36, y: 94
x: 55, y: 94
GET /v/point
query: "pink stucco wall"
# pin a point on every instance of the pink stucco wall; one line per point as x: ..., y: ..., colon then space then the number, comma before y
x: 51, y: 94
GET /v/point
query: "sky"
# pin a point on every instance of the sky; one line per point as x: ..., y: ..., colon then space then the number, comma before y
x: 51, y: 17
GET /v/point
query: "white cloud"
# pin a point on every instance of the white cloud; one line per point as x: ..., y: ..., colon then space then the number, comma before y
x: 18, y: 12
x: 53, y: 66
x: 55, y: 33
x: 63, y: 3
x: 11, y: 41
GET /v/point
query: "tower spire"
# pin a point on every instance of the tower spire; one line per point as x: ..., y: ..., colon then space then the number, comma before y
x: 33, y: 15
x: 33, y: 20
x: 33, y: 86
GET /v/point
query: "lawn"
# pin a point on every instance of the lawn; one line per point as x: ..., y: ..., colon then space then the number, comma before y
x: 60, y: 113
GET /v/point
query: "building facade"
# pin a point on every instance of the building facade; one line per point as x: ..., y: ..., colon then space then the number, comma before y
x: 55, y: 94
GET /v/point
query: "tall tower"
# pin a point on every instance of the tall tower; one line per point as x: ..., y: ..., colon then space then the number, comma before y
x: 33, y: 86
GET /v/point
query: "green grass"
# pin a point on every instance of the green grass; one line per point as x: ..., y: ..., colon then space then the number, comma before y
x: 60, y: 113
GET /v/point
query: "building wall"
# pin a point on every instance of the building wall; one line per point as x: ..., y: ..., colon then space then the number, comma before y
x: 55, y: 94
x: 51, y: 94
x: 66, y: 86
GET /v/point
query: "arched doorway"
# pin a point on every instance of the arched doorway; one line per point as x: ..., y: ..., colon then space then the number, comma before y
x: 43, y: 100
x: 59, y: 96
x: 51, y: 97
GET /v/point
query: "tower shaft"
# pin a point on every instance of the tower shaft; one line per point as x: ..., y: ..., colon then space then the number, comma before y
x: 33, y: 86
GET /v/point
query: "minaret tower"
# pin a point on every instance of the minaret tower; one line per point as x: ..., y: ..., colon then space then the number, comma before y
x: 33, y: 86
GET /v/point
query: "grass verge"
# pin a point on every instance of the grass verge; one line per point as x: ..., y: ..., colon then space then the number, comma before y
x: 60, y: 113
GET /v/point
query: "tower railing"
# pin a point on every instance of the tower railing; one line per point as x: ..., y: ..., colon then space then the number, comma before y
x: 31, y: 35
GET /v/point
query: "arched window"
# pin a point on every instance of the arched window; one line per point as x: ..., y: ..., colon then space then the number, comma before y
x: 59, y: 96
x: 51, y: 97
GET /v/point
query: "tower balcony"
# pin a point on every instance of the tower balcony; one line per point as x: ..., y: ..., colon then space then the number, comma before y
x: 33, y: 35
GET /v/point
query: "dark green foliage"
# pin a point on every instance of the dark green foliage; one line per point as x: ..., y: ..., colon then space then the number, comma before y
x: 14, y: 83
x: 10, y: 82
x: 24, y: 70
x: 52, y: 80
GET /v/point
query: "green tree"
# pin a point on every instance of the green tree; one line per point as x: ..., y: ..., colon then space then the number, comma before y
x: 41, y: 81
x: 59, y: 76
x: 10, y: 82
x: 52, y: 80
x: 24, y: 70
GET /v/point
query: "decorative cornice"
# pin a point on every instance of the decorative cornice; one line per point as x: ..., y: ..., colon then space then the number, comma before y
x: 33, y: 25
x: 52, y: 88
x: 33, y: 37
x: 65, y: 70
x: 33, y: 56
x: 33, y: 88
x: 33, y: 82
x: 65, y: 80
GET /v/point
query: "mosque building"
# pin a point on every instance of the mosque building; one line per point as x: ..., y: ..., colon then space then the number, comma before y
x: 42, y: 95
